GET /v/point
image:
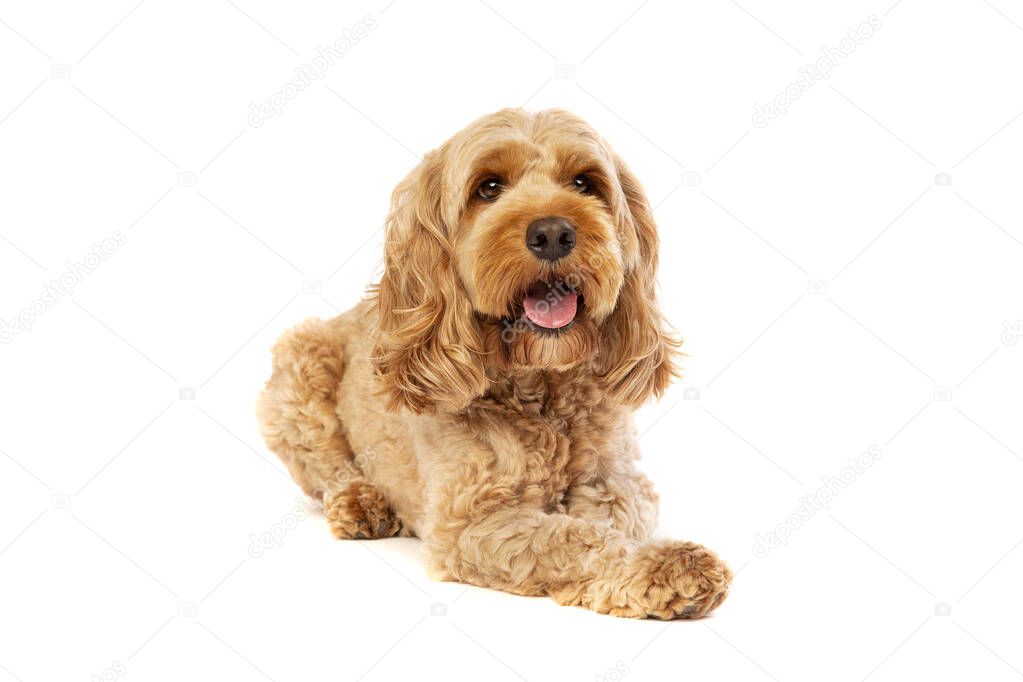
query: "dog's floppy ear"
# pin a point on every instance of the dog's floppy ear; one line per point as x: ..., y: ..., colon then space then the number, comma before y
x: 429, y: 346
x: 637, y: 352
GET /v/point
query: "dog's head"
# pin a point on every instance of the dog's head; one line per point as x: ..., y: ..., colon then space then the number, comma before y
x: 521, y: 243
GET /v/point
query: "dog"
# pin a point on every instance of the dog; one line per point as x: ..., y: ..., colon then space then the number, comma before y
x: 480, y: 396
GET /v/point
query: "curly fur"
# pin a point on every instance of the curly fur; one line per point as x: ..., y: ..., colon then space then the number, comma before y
x: 429, y: 410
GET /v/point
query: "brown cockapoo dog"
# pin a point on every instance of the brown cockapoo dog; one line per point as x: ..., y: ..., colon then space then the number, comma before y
x: 481, y: 397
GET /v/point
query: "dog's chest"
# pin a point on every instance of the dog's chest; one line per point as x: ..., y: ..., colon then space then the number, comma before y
x: 561, y: 428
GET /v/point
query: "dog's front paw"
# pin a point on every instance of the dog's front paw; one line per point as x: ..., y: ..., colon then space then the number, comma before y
x: 666, y: 580
x: 360, y: 512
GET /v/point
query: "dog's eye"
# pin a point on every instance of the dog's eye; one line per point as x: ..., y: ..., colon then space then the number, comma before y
x: 582, y: 184
x: 490, y: 189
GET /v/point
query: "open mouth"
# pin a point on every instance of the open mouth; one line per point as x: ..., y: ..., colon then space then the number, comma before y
x: 550, y: 307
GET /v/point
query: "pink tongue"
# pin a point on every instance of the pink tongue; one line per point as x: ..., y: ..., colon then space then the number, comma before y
x: 550, y: 313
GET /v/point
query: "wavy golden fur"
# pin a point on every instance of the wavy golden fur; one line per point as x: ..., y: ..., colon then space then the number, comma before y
x: 439, y: 408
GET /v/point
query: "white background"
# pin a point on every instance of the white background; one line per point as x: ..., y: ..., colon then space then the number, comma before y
x: 834, y: 295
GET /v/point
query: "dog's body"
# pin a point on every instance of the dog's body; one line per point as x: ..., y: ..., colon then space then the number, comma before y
x: 481, y: 398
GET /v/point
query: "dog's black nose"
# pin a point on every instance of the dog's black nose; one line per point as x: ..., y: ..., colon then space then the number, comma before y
x: 550, y: 238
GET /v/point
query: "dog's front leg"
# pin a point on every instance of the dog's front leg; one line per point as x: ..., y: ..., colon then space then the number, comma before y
x: 621, y: 496
x: 495, y: 533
